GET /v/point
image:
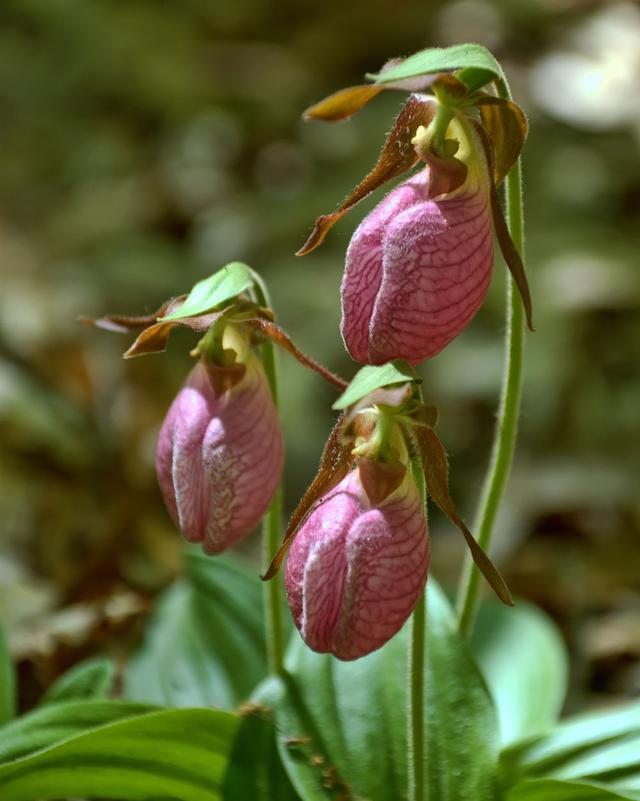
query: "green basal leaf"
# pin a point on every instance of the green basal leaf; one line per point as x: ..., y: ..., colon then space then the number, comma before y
x: 552, y: 790
x: 7, y: 681
x: 343, y: 730
x: 255, y: 768
x: 227, y: 283
x: 602, y: 747
x: 90, y: 679
x: 372, y: 377
x: 54, y: 722
x: 443, y: 59
x: 177, y: 754
x: 524, y: 662
x: 205, y: 644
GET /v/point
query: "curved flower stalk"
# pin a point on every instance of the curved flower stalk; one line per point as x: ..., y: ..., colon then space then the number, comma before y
x: 419, y: 265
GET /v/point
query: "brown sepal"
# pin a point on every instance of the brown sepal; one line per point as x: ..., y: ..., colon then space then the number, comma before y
x: 436, y: 471
x: 335, y: 463
x: 510, y: 253
x: 346, y: 102
x: 122, y: 323
x: 281, y: 338
x: 154, y: 338
x: 398, y: 155
x: 379, y: 479
x: 343, y: 104
x: 507, y: 126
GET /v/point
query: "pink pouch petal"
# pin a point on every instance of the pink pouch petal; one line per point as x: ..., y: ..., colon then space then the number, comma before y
x: 355, y: 574
x: 363, y: 268
x: 436, y: 271
x: 243, y: 456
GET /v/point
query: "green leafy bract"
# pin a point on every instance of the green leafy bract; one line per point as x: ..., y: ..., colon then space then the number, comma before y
x: 227, y: 283
x: 476, y: 63
x: 372, y: 377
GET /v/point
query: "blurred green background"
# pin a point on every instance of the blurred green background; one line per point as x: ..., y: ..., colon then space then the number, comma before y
x: 145, y: 144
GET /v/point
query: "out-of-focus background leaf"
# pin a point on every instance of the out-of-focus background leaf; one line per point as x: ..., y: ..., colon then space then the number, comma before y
x: 144, y: 146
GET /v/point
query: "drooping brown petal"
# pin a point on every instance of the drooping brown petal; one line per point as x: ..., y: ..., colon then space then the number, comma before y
x: 335, y: 462
x: 380, y: 479
x: 507, y: 126
x: 397, y: 156
x: 509, y: 251
x: 277, y: 335
x: 436, y: 470
x: 155, y: 337
x: 342, y: 104
x: 425, y: 415
x: 122, y: 323
x: 511, y: 256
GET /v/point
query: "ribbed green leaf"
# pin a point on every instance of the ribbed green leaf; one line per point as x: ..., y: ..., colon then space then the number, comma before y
x: 7, y: 681
x: 255, y: 769
x: 602, y: 747
x: 57, y: 721
x: 90, y: 679
x: 343, y: 724
x: 227, y: 283
x: 524, y: 662
x: 552, y: 790
x: 443, y: 59
x: 205, y: 645
x: 178, y: 754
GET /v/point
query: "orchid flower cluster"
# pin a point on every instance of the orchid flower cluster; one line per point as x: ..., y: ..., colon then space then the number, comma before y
x: 417, y: 269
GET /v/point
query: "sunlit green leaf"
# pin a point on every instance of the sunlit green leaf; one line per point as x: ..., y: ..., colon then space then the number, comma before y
x: 181, y: 754
x: 553, y: 790
x: 372, y: 377
x: 601, y: 747
x: 344, y: 723
x: 7, y: 681
x: 58, y: 721
x: 442, y: 59
x: 524, y: 662
x: 90, y: 679
x: 227, y: 283
x: 205, y: 644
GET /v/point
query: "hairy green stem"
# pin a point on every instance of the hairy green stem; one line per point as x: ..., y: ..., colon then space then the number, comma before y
x: 417, y: 679
x: 271, y: 524
x: 508, y: 412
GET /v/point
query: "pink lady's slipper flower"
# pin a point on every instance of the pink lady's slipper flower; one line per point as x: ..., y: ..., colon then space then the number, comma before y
x: 417, y: 270
x: 418, y: 267
x: 220, y: 453
x: 356, y: 568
